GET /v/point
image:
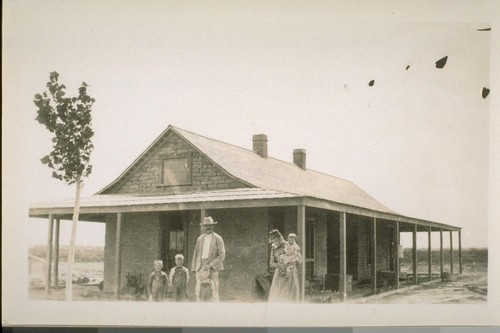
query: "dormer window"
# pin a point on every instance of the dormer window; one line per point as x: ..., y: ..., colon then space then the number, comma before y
x: 176, y: 171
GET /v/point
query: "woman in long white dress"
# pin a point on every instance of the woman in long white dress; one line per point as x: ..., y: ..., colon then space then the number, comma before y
x: 284, y: 287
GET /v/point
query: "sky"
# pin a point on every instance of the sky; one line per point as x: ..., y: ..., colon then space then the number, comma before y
x: 418, y: 140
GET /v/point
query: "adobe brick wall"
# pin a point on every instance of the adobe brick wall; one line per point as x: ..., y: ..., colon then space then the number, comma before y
x: 245, y: 234
x: 139, y: 247
x: 320, y: 240
x: 140, y: 244
x: 205, y: 175
x: 364, y: 239
x: 109, y: 254
x: 383, y: 247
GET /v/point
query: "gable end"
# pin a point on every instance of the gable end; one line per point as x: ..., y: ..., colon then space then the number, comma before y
x: 146, y: 174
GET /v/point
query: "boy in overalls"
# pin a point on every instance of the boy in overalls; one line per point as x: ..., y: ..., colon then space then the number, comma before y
x: 158, y: 282
x: 205, y: 287
x: 179, y: 277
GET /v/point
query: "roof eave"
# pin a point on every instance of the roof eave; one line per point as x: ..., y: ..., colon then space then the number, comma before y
x: 290, y: 200
x: 387, y: 215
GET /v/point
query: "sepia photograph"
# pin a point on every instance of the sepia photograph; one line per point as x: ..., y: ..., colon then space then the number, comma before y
x: 250, y: 163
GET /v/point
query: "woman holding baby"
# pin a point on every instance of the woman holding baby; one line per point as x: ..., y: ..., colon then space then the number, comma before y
x: 285, y: 257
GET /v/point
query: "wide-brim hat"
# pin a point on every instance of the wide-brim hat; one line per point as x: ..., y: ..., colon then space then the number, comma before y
x: 208, y: 221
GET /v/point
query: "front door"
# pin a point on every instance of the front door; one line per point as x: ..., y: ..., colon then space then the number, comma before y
x: 173, y: 238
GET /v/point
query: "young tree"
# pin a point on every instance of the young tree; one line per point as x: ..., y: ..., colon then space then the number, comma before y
x: 69, y: 120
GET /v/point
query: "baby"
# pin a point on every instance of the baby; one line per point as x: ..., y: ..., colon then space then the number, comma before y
x: 291, y: 256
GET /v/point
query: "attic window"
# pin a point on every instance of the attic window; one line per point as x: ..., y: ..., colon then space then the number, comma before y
x: 176, y: 171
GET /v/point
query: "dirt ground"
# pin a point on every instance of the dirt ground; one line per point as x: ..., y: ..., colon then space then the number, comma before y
x: 468, y: 288
x: 92, y: 272
x: 471, y: 287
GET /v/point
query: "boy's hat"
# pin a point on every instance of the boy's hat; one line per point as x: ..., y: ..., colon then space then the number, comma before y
x: 208, y: 221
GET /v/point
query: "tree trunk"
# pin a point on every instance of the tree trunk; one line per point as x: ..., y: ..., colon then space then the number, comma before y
x: 72, y: 244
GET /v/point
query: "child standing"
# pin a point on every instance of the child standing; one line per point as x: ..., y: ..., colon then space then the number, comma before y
x: 205, y: 287
x: 158, y: 282
x: 179, y: 277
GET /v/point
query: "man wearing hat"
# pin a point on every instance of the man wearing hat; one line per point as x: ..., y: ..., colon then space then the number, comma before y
x: 209, y: 254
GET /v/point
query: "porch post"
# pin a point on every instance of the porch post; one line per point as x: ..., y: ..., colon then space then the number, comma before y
x: 374, y: 255
x: 185, y: 226
x: 451, y: 252
x: 301, y: 234
x: 56, y: 254
x: 397, y: 255
x: 117, y: 253
x: 49, y: 254
x: 429, y: 252
x: 460, y: 251
x: 343, y: 264
x: 415, y: 254
x: 202, y: 216
x: 441, y: 257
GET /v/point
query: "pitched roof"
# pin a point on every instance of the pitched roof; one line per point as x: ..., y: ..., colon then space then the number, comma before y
x: 270, y: 173
x: 273, y: 174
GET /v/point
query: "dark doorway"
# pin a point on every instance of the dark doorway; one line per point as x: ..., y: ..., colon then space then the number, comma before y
x: 352, y: 246
x: 332, y: 244
x: 310, y: 237
x: 392, y: 248
x: 173, y: 238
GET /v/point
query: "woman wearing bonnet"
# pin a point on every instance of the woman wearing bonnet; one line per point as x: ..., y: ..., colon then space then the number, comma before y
x: 284, y: 287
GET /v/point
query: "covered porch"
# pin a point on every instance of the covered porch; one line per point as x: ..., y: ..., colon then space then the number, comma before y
x: 381, y: 232
x: 331, y: 248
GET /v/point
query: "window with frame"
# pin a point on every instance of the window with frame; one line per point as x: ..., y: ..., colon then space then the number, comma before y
x: 176, y: 171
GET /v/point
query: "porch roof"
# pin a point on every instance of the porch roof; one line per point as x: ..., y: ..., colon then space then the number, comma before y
x: 113, y: 203
x: 95, y: 208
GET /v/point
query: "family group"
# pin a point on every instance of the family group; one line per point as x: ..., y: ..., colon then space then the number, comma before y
x: 208, y: 258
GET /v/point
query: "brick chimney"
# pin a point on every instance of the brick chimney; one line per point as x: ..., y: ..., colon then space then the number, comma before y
x: 260, y: 144
x: 299, y: 158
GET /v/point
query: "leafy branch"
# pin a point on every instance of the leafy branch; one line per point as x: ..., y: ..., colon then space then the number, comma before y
x: 70, y: 120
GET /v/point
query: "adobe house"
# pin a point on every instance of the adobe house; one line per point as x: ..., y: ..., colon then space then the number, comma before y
x: 153, y: 210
